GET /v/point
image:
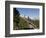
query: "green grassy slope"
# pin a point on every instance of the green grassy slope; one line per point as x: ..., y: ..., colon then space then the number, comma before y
x: 22, y: 24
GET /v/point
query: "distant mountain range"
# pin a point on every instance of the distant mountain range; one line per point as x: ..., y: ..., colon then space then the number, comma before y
x: 32, y: 18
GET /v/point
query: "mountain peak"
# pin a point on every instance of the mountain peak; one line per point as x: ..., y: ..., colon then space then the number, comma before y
x: 33, y: 18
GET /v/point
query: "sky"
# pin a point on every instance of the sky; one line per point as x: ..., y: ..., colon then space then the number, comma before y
x: 31, y: 12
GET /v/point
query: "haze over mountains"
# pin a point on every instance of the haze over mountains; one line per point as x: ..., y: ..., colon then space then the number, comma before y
x: 32, y: 18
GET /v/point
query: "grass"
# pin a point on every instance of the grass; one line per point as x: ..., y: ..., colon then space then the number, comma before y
x: 24, y: 24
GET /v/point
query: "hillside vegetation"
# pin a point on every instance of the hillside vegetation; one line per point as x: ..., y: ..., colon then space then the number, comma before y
x: 21, y: 25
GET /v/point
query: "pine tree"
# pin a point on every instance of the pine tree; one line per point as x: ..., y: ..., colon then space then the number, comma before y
x: 16, y: 18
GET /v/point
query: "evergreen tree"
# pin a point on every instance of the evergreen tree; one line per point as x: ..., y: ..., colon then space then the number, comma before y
x: 16, y: 18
